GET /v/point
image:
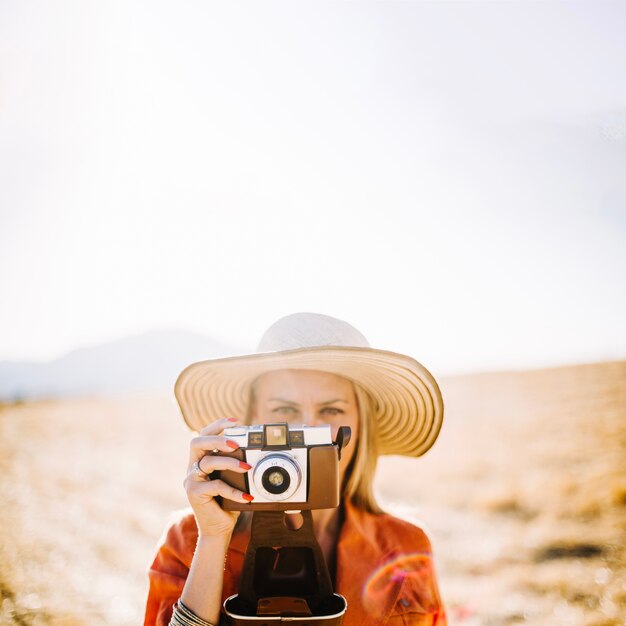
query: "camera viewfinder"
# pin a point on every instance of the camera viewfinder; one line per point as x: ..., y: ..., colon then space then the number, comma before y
x: 276, y: 435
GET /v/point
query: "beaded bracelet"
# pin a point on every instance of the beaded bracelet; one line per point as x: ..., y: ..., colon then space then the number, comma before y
x: 183, y: 616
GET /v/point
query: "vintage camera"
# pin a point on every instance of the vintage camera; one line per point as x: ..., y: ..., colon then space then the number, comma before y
x: 293, y: 467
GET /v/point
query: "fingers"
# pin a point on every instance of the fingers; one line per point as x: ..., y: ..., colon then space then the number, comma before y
x: 210, y: 439
x: 210, y: 463
x: 208, y: 489
x: 204, y: 449
x: 208, y: 443
x: 204, y: 444
x: 215, y: 428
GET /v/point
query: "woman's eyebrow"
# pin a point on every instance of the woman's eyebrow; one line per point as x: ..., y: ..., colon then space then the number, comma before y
x: 283, y: 400
x: 297, y: 404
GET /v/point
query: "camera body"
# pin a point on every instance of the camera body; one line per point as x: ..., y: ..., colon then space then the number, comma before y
x: 293, y: 467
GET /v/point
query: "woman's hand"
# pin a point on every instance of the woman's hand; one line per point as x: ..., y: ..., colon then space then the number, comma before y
x: 212, y: 520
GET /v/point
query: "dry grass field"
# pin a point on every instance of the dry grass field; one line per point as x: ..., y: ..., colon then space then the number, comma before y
x: 523, y: 496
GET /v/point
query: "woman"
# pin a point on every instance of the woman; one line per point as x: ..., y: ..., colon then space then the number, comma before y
x: 310, y: 369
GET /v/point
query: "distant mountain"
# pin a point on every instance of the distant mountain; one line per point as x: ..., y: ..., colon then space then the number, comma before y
x: 146, y: 362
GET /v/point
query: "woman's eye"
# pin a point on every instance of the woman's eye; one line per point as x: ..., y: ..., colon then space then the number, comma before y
x: 331, y: 411
x: 285, y: 410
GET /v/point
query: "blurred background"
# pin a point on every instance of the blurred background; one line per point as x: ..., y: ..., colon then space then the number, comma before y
x: 449, y: 177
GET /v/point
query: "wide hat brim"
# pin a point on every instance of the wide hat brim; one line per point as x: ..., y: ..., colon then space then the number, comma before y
x: 409, y: 402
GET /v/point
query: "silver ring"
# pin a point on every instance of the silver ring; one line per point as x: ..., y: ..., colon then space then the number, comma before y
x: 199, y: 472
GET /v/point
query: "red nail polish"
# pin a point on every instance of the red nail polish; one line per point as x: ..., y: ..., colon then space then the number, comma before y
x: 247, y: 497
x: 232, y: 444
x: 244, y: 465
x: 233, y: 419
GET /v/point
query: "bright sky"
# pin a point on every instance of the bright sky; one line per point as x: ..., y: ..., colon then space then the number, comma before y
x: 448, y: 177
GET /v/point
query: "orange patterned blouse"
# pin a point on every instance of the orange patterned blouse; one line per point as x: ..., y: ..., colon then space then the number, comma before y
x: 385, y: 571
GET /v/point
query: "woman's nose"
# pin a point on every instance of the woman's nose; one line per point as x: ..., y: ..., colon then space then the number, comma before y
x: 310, y: 418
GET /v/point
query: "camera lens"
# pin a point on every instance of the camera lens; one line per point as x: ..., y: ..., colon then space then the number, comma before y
x: 277, y: 477
x: 276, y: 480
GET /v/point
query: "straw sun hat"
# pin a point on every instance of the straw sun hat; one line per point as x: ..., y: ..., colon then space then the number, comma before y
x: 408, y: 400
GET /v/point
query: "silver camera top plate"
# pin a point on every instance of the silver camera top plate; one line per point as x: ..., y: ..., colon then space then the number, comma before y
x: 254, y: 435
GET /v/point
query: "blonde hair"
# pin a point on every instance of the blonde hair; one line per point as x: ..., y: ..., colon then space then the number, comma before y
x: 358, y: 481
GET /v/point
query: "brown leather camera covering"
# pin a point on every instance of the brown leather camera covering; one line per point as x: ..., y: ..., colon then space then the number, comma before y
x: 323, y: 488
